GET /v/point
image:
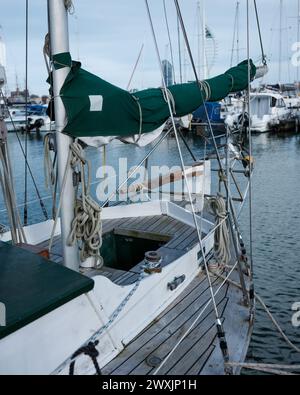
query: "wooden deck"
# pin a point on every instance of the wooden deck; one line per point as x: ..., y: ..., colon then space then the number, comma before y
x: 199, y: 353
x: 182, y: 239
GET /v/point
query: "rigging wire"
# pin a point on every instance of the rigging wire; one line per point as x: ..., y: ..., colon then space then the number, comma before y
x: 135, y: 67
x: 251, y: 164
x: 213, y: 138
x: 264, y: 58
x: 170, y: 41
x: 179, y: 51
x: 26, y: 159
x: 215, y: 307
x: 26, y: 117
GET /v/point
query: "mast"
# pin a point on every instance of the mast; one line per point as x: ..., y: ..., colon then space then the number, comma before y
x: 238, y: 32
x: 280, y: 43
x: 203, y: 19
x: 2, y: 51
x: 298, y: 40
x: 59, y: 37
x: 236, y: 35
x: 179, y: 49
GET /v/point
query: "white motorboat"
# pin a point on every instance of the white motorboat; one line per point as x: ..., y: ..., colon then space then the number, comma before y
x: 268, y: 110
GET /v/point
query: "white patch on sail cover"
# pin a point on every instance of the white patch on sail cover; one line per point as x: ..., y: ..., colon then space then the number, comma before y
x: 96, y: 102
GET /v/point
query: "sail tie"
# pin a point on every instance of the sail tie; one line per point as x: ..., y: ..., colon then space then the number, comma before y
x: 167, y: 95
x: 207, y: 90
x: 141, y: 118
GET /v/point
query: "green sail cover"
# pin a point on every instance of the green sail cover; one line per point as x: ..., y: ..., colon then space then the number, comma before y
x: 97, y: 108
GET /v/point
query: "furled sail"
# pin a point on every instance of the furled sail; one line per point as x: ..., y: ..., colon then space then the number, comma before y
x: 95, y: 107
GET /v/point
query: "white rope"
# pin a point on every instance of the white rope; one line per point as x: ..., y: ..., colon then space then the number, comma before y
x: 141, y: 118
x: 207, y: 90
x: 86, y: 227
x: 168, y: 97
x: 222, y: 237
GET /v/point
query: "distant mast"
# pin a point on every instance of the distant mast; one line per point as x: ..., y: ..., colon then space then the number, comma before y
x: 280, y: 43
x: 3, y: 80
x: 2, y: 51
x: 298, y: 41
x: 236, y: 36
x: 202, y: 60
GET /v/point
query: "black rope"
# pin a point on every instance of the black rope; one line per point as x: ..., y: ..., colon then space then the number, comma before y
x: 264, y: 58
x: 43, y: 207
x: 91, y: 351
x: 26, y: 119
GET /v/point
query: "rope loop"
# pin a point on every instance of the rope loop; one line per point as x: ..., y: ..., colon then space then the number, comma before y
x: 91, y: 351
x: 86, y: 227
x: 222, y: 237
x: 168, y: 97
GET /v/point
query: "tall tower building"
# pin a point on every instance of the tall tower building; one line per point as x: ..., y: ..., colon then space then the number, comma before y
x: 168, y: 72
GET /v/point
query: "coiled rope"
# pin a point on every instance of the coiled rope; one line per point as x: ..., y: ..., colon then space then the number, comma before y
x: 222, y: 238
x: 86, y: 227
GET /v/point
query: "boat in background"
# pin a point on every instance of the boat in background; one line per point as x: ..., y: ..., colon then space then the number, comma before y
x: 37, y: 119
x: 269, y: 110
x: 211, y: 111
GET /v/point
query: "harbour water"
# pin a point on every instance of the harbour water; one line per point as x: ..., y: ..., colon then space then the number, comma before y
x: 276, y: 223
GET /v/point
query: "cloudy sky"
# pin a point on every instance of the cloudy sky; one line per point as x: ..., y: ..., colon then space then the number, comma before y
x: 106, y: 35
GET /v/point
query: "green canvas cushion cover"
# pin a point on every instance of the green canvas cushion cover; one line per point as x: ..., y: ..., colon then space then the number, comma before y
x: 123, y: 113
x: 31, y: 286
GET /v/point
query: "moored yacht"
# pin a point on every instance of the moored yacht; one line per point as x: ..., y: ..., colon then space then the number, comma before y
x: 268, y: 110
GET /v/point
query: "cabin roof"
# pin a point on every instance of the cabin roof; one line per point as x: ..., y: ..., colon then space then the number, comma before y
x: 31, y: 286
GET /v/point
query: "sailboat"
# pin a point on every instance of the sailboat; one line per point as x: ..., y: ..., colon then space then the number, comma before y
x: 161, y: 286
